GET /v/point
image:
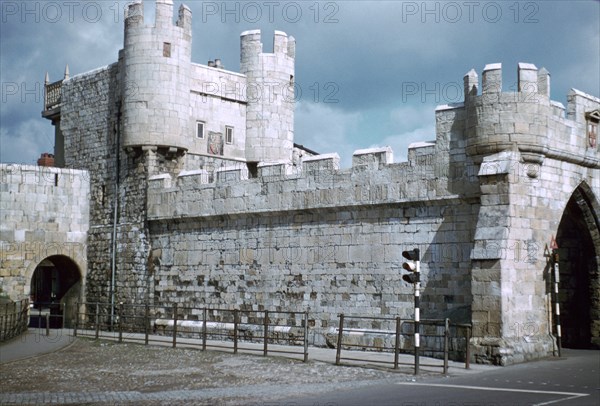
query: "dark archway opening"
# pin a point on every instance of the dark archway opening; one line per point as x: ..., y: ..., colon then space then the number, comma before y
x: 578, y: 269
x: 55, y: 288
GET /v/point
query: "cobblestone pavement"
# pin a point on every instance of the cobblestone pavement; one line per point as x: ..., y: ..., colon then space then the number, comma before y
x: 101, y: 372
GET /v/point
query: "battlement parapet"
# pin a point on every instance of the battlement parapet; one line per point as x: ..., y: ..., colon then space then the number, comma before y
x: 315, y: 165
x: 252, y: 47
x: 372, y: 158
x: 134, y: 15
x: 527, y: 118
x: 22, y: 175
x: 232, y: 173
x: 318, y: 183
x: 276, y: 170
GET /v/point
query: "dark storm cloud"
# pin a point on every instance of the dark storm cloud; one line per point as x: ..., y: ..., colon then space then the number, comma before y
x: 364, y: 64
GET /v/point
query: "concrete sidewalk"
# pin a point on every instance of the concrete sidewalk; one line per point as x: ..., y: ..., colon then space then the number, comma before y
x: 35, y: 343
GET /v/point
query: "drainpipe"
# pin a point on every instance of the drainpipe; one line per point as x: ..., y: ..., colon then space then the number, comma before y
x: 115, y: 212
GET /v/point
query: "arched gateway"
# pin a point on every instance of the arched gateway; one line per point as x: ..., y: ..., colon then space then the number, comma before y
x: 578, y: 239
x: 55, y: 289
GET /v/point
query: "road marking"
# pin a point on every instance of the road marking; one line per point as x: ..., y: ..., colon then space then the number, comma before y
x: 571, y: 395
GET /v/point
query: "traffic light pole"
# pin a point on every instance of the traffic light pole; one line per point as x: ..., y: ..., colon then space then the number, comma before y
x: 417, y: 315
x: 413, y: 266
x: 556, y: 304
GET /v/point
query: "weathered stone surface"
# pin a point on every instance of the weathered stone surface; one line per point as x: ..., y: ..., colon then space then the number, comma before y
x: 255, y: 223
x: 51, y: 218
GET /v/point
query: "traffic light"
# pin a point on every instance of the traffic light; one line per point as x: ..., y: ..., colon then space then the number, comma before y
x: 412, y: 265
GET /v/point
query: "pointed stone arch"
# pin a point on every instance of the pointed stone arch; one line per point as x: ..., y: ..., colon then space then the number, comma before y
x: 578, y: 238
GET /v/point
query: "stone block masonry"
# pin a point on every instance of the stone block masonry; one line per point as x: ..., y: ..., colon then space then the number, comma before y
x: 198, y: 195
x: 45, y: 213
x: 480, y: 202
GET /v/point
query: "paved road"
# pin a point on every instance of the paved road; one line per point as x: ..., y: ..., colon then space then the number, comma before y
x: 573, y: 379
x: 108, y: 373
x: 33, y: 343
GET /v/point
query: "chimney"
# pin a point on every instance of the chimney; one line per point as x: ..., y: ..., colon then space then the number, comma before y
x: 46, y: 159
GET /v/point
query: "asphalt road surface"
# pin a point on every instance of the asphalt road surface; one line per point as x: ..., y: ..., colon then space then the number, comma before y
x: 573, y: 379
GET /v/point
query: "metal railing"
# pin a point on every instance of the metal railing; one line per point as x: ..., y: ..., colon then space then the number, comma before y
x: 48, y: 315
x: 197, y: 327
x: 398, y: 338
x: 52, y: 95
x: 13, y: 319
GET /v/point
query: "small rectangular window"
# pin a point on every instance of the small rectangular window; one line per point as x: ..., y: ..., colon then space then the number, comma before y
x: 229, y: 135
x: 167, y: 49
x: 592, y: 120
x: 200, y: 129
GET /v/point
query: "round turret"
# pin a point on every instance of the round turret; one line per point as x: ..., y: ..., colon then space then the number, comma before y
x: 270, y: 97
x: 156, y: 67
x: 498, y: 121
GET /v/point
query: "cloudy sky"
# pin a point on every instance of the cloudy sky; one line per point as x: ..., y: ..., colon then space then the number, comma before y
x: 371, y: 73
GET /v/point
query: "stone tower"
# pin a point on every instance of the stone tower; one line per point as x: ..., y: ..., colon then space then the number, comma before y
x: 156, y: 77
x: 270, y: 96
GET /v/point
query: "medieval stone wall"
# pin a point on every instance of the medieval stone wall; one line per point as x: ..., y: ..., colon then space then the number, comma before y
x: 481, y: 202
x: 45, y: 212
x: 315, y: 238
x: 91, y: 117
x: 254, y: 226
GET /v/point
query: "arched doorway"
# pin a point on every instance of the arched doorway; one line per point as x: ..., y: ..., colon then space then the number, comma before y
x: 578, y: 238
x: 55, y: 288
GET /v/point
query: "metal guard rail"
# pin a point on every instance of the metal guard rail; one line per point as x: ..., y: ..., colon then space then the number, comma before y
x: 397, y: 334
x: 128, y: 316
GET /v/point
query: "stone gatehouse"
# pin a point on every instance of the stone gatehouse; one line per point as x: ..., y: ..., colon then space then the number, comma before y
x: 199, y: 196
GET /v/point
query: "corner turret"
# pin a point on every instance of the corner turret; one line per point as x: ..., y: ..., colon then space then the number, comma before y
x: 270, y: 97
x: 156, y: 65
x: 491, y: 129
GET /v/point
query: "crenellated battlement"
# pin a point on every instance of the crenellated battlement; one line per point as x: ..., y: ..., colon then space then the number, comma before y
x: 532, y: 85
x: 134, y: 15
x: 252, y: 47
x: 526, y: 119
x: 318, y: 183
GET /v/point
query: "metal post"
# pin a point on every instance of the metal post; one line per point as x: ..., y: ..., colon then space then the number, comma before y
x: 64, y: 317
x: 76, y: 319
x: 338, y: 354
x: 397, y: 343
x: 468, y: 357
x: 14, y: 318
x: 146, y: 323
x: 5, y: 317
x: 120, y: 326
x: 235, y: 331
x: 47, y: 324
x: 175, y: 325
x: 556, y: 303
x: 204, y: 330
x: 97, y: 322
x: 266, y: 332
x: 446, y: 336
x: 305, y: 336
x: 417, y: 315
